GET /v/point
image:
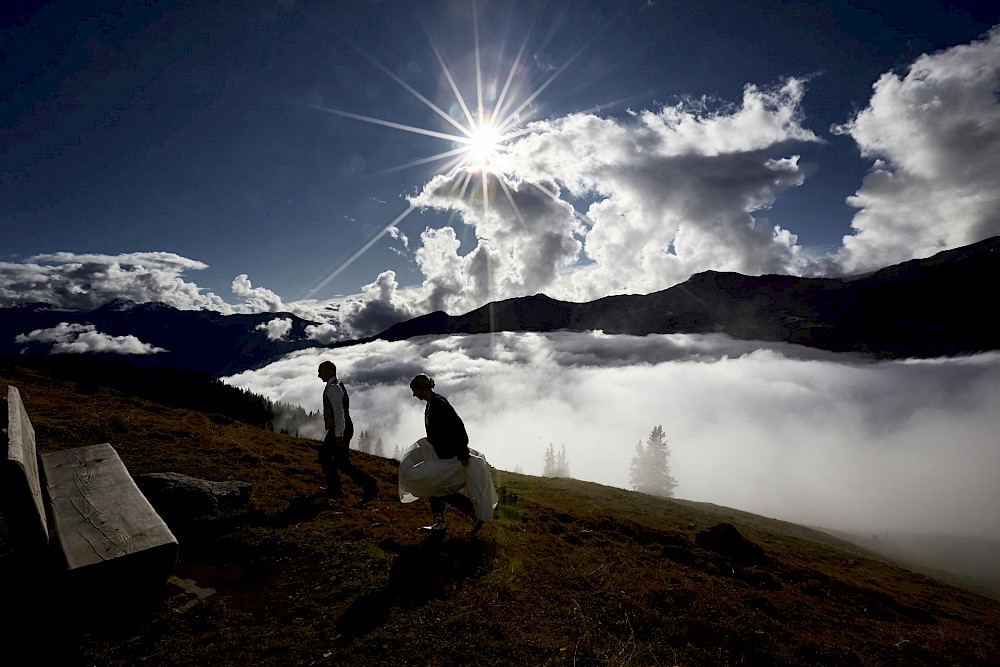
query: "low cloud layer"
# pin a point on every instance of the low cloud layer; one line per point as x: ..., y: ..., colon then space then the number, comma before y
x: 783, y: 431
x: 66, y: 338
x: 277, y: 328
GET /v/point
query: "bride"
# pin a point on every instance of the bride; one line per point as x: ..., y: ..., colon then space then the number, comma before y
x: 442, y: 468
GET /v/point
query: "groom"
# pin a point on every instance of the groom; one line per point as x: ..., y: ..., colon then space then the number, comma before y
x: 334, y: 453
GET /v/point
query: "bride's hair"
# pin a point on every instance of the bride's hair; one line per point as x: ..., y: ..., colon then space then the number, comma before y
x: 421, y: 380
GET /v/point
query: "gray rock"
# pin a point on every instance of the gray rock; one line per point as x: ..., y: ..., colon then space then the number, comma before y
x: 726, y: 540
x: 178, y: 497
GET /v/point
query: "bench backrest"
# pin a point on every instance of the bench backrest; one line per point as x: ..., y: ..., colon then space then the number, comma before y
x: 20, y: 490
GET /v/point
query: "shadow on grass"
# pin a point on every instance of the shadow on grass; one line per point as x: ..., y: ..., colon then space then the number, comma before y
x: 301, y: 508
x: 431, y: 569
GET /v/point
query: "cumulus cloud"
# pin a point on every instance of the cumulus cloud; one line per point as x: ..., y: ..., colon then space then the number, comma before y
x: 526, y: 240
x: 78, y: 281
x: 784, y: 431
x: 66, y: 338
x: 672, y: 192
x: 86, y: 281
x: 588, y: 205
x: 262, y: 300
x: 277, y: 328
x: 934, y: 133
x: 323, y: 333
x: 380, y: 305
x: 256, y: 299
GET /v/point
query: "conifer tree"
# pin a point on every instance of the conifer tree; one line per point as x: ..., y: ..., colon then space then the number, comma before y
x: 651, y: 466
x: 549, y: 469
x: 365, y: 441
x: 562, y: 464
x: 556, y: 465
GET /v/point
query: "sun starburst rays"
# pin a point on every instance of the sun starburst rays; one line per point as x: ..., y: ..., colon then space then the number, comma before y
x: 479, y: 137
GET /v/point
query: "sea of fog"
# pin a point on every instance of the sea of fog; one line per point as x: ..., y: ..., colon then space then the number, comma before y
x: 832, y: 440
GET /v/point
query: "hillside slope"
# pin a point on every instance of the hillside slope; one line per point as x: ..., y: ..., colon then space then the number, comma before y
x: 571, y: 573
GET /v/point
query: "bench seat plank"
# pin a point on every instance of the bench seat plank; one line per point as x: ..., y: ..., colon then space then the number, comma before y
x: 92, y: 499
x: 91, y: 545
x: 21, y: 493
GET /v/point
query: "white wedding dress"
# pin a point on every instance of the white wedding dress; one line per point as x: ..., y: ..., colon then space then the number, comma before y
x: 422, y: 474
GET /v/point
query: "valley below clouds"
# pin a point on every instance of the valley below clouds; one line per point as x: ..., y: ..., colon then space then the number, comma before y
x: 831, y: 440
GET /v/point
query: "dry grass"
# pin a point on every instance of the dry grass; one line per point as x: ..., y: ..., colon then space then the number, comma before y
x: 571, y: 573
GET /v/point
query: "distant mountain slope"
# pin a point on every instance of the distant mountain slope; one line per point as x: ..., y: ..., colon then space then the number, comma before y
x: 921, y: 308
x: 202, y: 340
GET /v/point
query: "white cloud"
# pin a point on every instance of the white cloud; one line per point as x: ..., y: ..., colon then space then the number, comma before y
x: 277, y: 328
x: 66, y: 338
x: 86, y: 281
x: 672, y: 193
x: 526, y: 241
x: 323, y: 333
x: 935, y: 136
x: 398, y: 234
x: 256, y: 299
x: 784, y: 431
x: 381, y: 305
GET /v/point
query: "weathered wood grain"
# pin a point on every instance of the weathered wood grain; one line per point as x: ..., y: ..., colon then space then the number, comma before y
x: 83, y: 526
x: 22, y: 502
x: 97, y: 511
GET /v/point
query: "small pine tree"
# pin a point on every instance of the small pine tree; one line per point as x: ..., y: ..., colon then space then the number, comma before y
x: 651, y: 466
x: 365, y: 441
x: 379, y: 448
x: 550, y: 469
x: 562, y: 464
x: 556, y: 464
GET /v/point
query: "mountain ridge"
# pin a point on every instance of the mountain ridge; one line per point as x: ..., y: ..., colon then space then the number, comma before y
x: 920, y: 308
x: 924, y: 308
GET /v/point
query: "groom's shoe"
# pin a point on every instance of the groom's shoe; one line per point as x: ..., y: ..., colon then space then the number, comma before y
x: 439, y: 524
x: 369, y: 495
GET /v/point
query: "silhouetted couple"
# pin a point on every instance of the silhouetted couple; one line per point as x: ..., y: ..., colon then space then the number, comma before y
x: 440, y: 467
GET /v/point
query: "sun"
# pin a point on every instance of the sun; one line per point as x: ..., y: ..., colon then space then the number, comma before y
x: 483, y: 145
x: 480, y: 135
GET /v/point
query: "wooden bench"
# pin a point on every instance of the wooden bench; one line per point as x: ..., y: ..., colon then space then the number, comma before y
x: 83, y: 534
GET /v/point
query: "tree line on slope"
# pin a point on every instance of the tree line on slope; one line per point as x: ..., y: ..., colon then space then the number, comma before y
x: 167, y: 385
x: 650, y: 469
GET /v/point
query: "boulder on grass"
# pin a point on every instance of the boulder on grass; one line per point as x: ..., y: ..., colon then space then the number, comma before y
x: 181, y: 499
x: 726, y: 540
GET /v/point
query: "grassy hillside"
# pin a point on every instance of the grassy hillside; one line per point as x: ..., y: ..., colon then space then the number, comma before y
x: 571, y: 573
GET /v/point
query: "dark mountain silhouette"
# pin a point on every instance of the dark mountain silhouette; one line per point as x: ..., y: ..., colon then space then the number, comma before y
x: 921, y: 308
x: 201, y: 340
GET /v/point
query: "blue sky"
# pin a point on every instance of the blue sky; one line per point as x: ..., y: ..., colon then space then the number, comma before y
x: 255, y: 155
